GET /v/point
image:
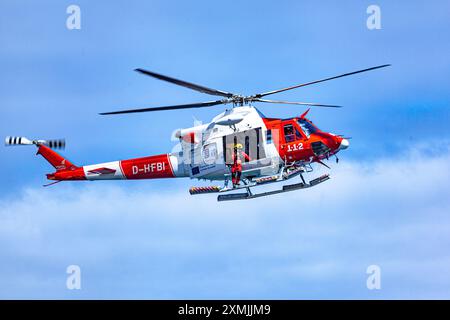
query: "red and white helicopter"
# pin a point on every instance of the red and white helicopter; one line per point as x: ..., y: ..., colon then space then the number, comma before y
x: 276, y: 149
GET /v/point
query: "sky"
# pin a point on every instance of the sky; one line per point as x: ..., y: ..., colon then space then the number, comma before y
x: 387, y: 203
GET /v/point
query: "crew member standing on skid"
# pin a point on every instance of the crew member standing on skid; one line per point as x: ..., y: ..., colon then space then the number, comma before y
x: 236, y: 168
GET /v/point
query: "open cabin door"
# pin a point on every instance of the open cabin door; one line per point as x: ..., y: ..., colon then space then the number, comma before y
x: 212, y: 158
x: 253, y: 145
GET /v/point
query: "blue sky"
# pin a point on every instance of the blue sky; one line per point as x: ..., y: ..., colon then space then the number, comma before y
x: 386, y: 204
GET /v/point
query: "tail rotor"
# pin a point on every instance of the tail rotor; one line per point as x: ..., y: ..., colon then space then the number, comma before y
x: 22, y: 141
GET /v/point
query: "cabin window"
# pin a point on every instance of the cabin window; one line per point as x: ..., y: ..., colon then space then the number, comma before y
x: 269, y: 136
x: 210, y: 153
x: 289, y: 134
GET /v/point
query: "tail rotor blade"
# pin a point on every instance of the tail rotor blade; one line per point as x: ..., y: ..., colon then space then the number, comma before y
x: 16, y: 141
x: 55, y: 144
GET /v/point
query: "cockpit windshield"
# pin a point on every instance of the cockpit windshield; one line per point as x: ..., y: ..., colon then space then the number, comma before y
x: 307, y: 127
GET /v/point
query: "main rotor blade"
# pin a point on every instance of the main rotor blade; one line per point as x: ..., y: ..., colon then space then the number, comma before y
x: 175, y: 107
x: 318, y: 81
x: 298, y: 103
x: 186, y: 84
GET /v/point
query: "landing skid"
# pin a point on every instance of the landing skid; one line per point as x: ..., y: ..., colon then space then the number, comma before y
x: 250, y: 195
x: 285, y: 188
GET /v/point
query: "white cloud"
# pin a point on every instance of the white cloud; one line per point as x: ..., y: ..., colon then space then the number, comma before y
x: 136, y: 242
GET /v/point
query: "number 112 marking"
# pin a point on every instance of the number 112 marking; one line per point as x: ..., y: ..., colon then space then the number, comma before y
x: 295, y: 147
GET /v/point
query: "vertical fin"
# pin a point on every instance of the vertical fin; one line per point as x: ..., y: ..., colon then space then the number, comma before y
x: 55, y: 159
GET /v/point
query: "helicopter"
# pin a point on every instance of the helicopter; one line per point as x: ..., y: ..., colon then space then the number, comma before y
x: 277, y: 150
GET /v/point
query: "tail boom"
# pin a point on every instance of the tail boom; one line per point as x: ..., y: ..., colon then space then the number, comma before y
x: 152, y: 167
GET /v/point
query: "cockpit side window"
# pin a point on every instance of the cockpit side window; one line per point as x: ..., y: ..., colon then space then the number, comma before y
x: 307, y: 127
x: 289, y: 134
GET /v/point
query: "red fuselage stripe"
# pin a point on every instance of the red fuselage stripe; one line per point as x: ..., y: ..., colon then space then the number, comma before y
x: 152, y: 167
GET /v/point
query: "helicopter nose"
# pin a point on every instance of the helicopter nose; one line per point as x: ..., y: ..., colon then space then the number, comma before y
x: 344, y: 144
